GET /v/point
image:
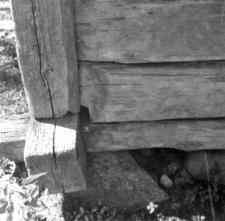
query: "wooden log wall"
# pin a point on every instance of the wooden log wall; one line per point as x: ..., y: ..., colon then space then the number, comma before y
x: 168, y: 48
x: 140, y: 62
x: 143, y: 31
x: 120, y: 93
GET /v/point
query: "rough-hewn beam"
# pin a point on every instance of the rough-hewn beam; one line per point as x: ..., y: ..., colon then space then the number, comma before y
x: 142, y: 31
x: 187, y: 135
x: 47, y: 56
x: 145, y: 92
x: 12, y: 136
x: 54, y: 146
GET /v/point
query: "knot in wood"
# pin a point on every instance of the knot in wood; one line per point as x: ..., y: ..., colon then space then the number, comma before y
x: 48, y: 72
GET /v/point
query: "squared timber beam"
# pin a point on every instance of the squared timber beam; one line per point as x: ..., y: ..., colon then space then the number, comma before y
x: 54, y: 146
x: 13, y: 131
x: 45, y: 36
x: 150, y: 92
x: 146, y: 31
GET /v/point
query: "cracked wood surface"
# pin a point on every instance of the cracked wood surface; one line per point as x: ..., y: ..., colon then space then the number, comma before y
x: 142, y: 31
x: 186, y: 135
x: 54, y: 146
x: 47, y: 56
x: 12, y: 136
x: 182, y: 135
x: 144, y: 92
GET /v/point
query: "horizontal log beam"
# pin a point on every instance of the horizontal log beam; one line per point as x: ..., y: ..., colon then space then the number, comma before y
x: 12, y: 136
x: 188, y: 135
x: 146, y: 92
x: 142, y: 31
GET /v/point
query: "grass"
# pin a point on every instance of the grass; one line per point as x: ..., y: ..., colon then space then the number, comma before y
x: 12, y: 96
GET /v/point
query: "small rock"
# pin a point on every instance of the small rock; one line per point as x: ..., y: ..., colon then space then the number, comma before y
x: 166, y: 181
x: 172, y: 168
x: 198, y: 163
x: 183, y: 178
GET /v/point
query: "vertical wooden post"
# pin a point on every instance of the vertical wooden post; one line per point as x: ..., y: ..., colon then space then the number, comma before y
x: 54, y: 146
x: 45, y: 35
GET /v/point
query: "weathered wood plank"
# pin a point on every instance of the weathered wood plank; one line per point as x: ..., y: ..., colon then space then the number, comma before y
x: 12, y: 136
x: 141, y: 31
x: 55, y: 146
x: 117, y: 93
x: 47, y: 56
x: 186, y: 135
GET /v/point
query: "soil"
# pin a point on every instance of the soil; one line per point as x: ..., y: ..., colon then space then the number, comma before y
x: 117, y: 180
x: 189, y: 199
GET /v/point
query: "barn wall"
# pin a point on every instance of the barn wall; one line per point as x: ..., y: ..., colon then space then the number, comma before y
x: 142, y: 31
x: 145, y: 60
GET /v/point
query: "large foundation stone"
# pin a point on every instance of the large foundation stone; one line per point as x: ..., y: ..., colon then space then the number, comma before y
x: 115, y: 179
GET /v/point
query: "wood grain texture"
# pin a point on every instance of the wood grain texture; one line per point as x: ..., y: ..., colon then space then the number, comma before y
x: 12, y: 137
x: 118, y: 93
x: 186, y: 135
x: 55, y: 147
x: 141, y: 31
x: 47, y: 56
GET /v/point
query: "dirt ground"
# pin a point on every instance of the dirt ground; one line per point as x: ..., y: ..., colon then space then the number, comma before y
x: 189, y: 199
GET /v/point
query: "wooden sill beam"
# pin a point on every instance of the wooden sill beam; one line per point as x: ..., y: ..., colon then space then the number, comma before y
x: 188, y: 135
x: 12, y: 136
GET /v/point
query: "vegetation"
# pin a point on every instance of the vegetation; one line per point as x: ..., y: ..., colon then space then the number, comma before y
x: 20, y: 196
x: 12, y: 97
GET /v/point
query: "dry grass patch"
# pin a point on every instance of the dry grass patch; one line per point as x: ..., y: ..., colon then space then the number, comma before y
x: 12, y: 97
